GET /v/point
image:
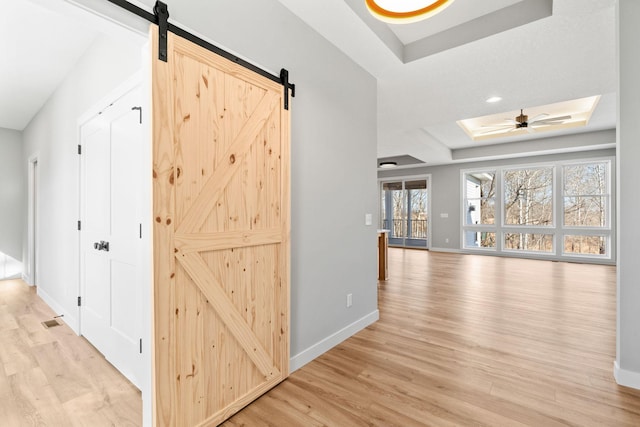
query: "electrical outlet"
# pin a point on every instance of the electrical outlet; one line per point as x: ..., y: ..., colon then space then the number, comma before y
x: 349, y: 300
x: 446, y: 240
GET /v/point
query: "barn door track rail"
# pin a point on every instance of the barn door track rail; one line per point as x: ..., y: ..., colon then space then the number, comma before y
x: 160, y: 17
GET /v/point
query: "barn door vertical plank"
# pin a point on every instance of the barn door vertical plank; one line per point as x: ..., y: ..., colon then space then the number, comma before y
x: 282, y: 337
x: 164, y: 353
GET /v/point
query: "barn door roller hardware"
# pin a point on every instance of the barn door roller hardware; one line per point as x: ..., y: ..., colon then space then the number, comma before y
x: 160, y: 17
x: 284, y: 79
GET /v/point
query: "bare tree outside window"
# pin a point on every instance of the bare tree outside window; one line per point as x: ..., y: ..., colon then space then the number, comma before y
x: 528, y: 201
x: 586, y: 201
x: 585, y: 193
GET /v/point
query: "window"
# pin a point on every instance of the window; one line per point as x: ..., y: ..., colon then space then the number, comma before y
x: 586, y: 208
x: 528, y: 197
x: 481, y: 198
x: 585, y: 245
x: 529, y: 242
x: 560, y: 210
x: 404, y: 204
x: 480, y: 209
x: 586, y: 195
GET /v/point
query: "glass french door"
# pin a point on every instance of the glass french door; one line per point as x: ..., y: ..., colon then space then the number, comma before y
x: 405, y: 209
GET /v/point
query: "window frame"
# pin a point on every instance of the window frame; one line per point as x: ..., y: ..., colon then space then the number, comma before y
x: 558, y: 230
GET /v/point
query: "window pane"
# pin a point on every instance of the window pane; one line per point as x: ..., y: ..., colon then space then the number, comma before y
x: 417, y: 218
x: 587, y: 179
x: 389, y: 186
x: 480, y: 185
x: 480, y: 190
x: 393, y: 216
x: 416, y: 185
x: 528, y: 242
x: 585, y: 245
x: 479, y: 239
x: 585, y: 211
x: 480, y: 211
x: 528, y: 197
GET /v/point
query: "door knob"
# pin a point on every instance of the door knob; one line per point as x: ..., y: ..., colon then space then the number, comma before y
x: 101, y: 246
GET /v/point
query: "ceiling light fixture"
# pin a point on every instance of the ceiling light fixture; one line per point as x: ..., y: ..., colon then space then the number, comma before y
x: 493, y: 99
x: 388, y: 165
x: 406, y: 11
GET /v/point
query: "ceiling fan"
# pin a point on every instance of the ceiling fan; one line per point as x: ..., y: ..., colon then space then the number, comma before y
x: 522, y: 122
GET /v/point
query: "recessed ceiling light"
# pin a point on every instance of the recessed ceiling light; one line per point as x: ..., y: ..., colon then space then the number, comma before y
x: 494, y: 99
x: 388, y: 165
x: 406, y: 11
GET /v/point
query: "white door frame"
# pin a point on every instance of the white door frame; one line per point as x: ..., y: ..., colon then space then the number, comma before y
x: 32, y: 218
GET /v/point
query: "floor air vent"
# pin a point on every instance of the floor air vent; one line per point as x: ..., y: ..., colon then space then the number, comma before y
x: 50, y: 323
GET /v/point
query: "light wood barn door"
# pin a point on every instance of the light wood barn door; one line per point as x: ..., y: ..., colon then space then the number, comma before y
x: 221, y: 235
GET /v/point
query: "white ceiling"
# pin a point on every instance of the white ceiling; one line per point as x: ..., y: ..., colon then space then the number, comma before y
x: 565, y: 56
x: 458, y: 13
x: 41, y: 41
x: 39, y: 48
x: 568, y: 55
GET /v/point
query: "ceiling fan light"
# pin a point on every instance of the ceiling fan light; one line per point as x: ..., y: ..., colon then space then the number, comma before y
x: 407, y: 11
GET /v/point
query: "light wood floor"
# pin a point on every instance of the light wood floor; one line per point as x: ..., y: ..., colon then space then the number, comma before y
x: 52, y: 377
x: 462, y: 340
x: 468, y: 340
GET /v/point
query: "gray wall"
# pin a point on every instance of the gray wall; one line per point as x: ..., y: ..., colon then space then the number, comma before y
x: 333, y: 153
x: 627, y: 365
x: 446, y: 189
x: 12, y: 193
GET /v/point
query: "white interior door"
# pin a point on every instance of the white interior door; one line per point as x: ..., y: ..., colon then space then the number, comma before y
x: 110, y: 309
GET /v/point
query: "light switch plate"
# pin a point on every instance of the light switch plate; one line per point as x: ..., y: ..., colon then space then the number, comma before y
x: 368, y: 219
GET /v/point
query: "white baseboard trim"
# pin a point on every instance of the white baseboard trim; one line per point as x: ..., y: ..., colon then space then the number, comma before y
x: 306, y: 356
x: 68, y: 319
x: 451, y: 250
x: 626, y: 378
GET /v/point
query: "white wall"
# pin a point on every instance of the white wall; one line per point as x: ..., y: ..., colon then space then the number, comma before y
x: 627, y: 364
x: 12, y: 193
x: 52, y: 135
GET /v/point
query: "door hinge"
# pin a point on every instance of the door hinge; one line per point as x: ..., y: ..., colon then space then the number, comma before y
x: 141, y: 231
x: 162, y: 17
x: 139, y: 110
x: 79, y: 225
x: 79, y: 301
x: 284, y: 79
x: 140, y: 345
x: 79, y: 149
